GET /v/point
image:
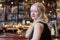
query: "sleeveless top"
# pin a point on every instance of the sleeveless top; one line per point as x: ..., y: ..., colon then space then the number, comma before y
x: 46, y: 35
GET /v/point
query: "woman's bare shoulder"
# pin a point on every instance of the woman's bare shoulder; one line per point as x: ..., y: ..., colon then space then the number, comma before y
x: 39, y: 25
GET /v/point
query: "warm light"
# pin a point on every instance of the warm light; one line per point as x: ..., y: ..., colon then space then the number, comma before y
x: 28, y: 22
x: 0, y: 4
x: 56, y: 39
x: 25, y: 0
x: 50, y: 11
x: 11, y: 2
x: 43, y: 1
x: 48, y: 4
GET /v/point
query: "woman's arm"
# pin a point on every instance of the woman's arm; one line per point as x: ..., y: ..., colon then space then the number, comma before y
x: 38, y: 29
x: 28, y: 32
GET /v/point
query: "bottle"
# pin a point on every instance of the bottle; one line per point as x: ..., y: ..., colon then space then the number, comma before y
x: 52, y: 31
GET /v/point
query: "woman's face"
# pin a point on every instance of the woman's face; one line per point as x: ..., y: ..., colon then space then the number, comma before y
x: 34, y: 12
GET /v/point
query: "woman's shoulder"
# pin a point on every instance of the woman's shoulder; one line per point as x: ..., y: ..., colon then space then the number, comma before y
x: 41, y: 22
x: 39, y: 25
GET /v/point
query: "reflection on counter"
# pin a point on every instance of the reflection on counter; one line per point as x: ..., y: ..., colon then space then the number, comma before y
x: 14, y: 29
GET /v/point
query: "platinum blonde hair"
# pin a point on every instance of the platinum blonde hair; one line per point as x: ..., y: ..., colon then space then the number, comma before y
x: 42, y: 10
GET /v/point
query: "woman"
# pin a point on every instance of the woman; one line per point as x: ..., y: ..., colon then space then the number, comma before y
x: 39, y: 29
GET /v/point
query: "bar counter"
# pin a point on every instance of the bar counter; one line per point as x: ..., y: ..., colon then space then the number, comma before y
x: 54, y: 37
x: 20, y: 37
x: 12, y: 37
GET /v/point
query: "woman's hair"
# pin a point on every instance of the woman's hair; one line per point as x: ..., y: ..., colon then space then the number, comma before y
x: 41, y: 7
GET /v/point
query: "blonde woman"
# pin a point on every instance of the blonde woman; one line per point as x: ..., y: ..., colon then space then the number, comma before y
x: 39, y: 29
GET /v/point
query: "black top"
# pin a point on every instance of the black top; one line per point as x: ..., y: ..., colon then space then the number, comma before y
x: 46, y: 35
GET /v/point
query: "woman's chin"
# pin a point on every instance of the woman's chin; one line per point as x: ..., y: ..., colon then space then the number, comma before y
x: 33, y: 18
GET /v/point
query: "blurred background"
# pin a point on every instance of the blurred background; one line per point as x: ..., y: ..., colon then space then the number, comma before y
x: 15, y: 16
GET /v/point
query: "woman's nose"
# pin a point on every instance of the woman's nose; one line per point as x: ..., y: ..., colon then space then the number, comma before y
x: 33, y: 13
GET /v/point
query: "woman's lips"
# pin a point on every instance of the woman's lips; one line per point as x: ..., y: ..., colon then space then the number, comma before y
x: 33, y: 16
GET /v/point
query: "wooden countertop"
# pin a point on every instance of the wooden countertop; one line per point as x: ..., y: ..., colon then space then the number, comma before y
x: 20, y: 37
x: 54, y: 37
x: 12, y: 37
